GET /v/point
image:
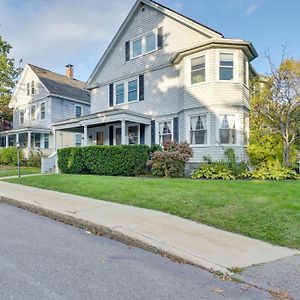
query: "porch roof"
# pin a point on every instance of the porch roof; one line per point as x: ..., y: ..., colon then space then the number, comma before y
x: 24, y: 130
x: 104, y: 117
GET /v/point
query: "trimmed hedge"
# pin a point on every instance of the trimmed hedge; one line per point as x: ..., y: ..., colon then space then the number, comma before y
x: 8, y: 156
x: 124, y: 160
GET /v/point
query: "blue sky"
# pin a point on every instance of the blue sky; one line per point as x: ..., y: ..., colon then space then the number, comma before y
x: 53, y: 33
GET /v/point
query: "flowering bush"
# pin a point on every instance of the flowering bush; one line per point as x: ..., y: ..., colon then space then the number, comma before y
x: 170, y: 161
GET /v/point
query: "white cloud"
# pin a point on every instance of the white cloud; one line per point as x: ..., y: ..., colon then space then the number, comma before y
x: 53, y: 33
x: 252, y: 8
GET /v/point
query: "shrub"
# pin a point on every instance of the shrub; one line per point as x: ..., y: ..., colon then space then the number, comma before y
x: 216, y: 170
x: 273, y: 171
x: 8, y: 156
x: 171, y: 161
x: 125, y: 160
x: 34, y: 160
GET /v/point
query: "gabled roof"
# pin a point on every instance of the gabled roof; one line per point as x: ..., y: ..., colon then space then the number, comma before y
x: 61, y: 85
x: 165, y: 10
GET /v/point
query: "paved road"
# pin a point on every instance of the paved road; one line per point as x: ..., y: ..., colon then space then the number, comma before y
x: 43, y: 259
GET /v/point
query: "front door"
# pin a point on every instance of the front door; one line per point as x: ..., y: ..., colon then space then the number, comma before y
x: 99, y: 138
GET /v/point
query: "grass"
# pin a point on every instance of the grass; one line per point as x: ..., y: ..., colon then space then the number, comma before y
x: 13, y: 171
x: 266, y: 210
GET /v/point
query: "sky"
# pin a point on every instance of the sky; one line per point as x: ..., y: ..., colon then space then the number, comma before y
x: 53, y: 33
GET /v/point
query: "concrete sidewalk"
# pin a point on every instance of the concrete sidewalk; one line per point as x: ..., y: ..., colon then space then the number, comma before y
x: 152, y: 230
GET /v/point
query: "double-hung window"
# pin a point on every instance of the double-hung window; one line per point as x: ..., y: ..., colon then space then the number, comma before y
x: 198, y: 69
x: 150, y: 42
x: 198, y: 130
x: 78, y: 111
x: 28, y: 88
x: 46, y: 141
x: 22, y: 117
x: 32, y: 87
x: 165, y: 132
x: 120, y: 93
x: 227, y: 131
x: 137, y: 48
x: 43, y: 111
x: 32, y: 112
x: 133, y: 90
x: 226, y: 66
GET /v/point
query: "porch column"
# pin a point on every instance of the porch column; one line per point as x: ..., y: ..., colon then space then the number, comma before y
x: 17, y: 139
x: 85, y: 135
x: 54, y: 140
x: 29, y: 140
x: 123, y: 135
x: 6, y: 141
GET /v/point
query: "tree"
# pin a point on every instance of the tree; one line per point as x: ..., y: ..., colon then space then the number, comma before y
x: 278, y: 104
x: 8, y: 75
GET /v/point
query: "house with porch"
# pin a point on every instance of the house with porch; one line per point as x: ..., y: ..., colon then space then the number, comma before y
x: 40, y: 99
x: 166, y: 77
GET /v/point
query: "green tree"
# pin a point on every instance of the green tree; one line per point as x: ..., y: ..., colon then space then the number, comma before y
x: 8, y: 75
x: 276, y: 110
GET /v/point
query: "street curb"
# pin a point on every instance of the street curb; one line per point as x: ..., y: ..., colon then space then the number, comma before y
x: 120, y: 235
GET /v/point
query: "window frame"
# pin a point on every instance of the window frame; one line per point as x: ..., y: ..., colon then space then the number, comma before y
x: 126, y: 90
x: 28, y: 88
x: 46, y: 140
x: 22, y: 116
x: 143, y: 39
x: 171, y: 128
x: 32, y: 88
x: 43, y: 104
x: 138, y: 132
x: 75, y: 139
x: 207, y: 114
x: 191, y: 71
x: 75, y: 110
x: 115, y: 135
x: 233, y: 67
x: 33, y: 115
x: 220, y: 120
x: 137, y: 90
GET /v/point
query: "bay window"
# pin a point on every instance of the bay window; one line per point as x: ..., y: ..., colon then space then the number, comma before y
x: 226, y: 66
x: 227, y: 131
x: 198, y: 69
x: 165, y: 133
x: 198, y: 130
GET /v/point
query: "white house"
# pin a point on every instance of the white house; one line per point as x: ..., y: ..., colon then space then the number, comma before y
x: 166, y: 77
x: 40, y: 99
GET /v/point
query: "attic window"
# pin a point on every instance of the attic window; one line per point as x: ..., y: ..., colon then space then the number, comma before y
x: 28, y: 89
x: 32, y: 87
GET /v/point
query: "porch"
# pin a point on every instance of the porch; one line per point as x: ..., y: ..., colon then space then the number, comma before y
x: 112, y: 127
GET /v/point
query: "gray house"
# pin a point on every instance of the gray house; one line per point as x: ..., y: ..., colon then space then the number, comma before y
x: 166, y: 77
x: 42, y: 98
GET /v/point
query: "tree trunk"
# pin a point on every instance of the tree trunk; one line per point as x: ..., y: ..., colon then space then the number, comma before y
x: 286, y: 153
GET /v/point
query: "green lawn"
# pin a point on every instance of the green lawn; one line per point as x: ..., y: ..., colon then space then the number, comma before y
x: 266, y: 210
x: 13, y: 171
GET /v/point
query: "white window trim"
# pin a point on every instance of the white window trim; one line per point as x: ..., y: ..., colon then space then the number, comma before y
x: 75, y: 106
x: 143, y: 38
x: 189, y: 68
x: 188, y: 131
x: 41, y: 110
x: 22, y: 111
x: 235, y: 66
x: 126, y: 91
x: 157, y: 129
x: 237, y: 128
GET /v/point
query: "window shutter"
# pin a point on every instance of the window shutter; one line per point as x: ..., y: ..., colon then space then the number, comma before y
x: 152, y: 132
x: 127, y: 50
x: 141, y: 88
x: 111, y: 94
x: 111, y: 135
x: 176, y: 129
x: 142, y: 134
x: 160, y: 38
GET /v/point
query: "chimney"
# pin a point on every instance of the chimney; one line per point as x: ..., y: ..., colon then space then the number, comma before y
x: 69, y: 71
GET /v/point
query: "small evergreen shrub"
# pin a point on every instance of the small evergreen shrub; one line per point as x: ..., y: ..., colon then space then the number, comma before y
x: 125, y: 160
x: 34, y: 160
x: 170, y: 161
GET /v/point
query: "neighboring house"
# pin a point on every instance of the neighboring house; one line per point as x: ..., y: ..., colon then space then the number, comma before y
x: 42, y: 98
x: 4, y: 123
x: 167, y: 77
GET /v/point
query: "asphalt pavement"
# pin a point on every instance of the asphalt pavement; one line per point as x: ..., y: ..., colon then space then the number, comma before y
x: 44, y: 259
